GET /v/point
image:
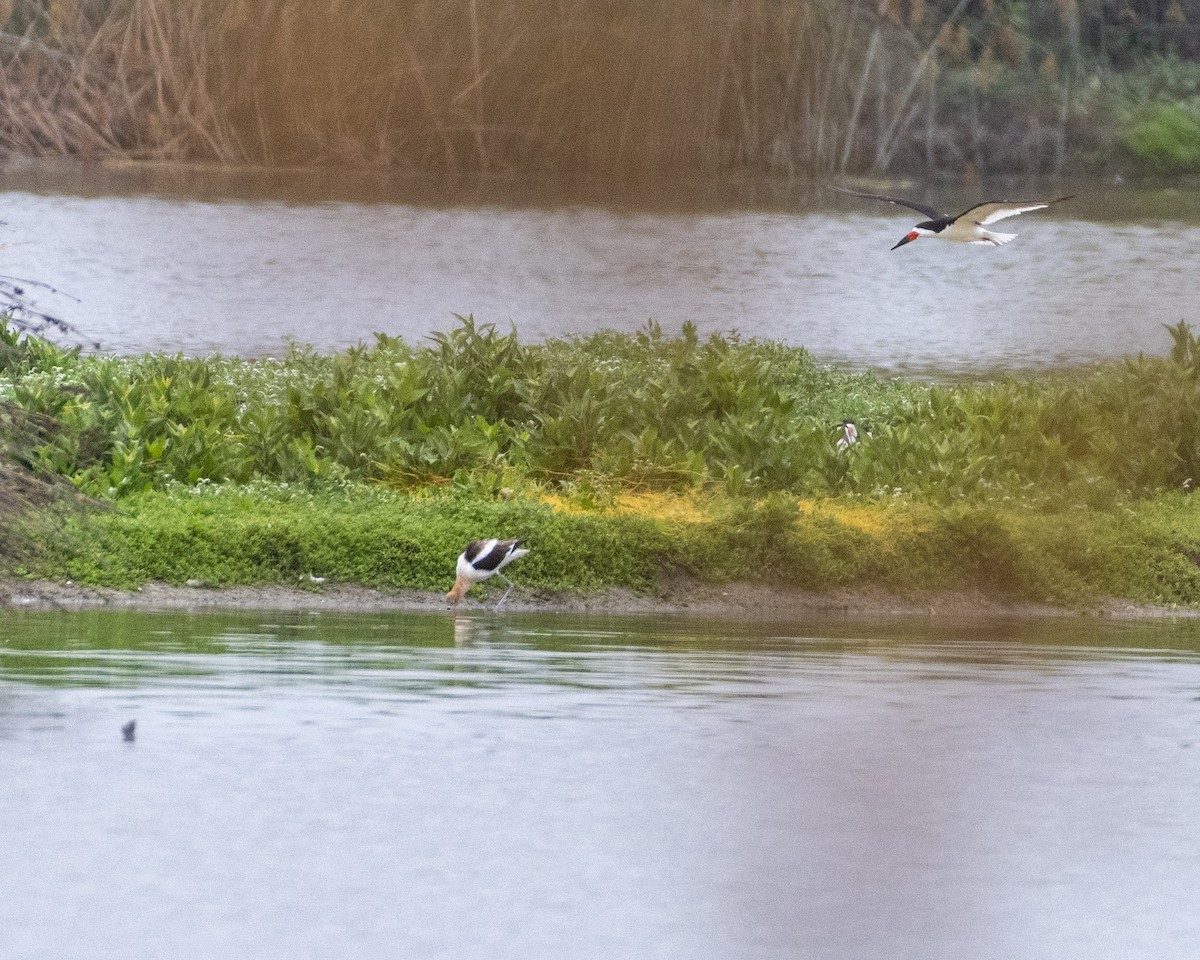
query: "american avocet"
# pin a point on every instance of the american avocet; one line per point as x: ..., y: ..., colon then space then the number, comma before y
x: 483, y: 559
x: 968, y: 226
x: 849, y: 434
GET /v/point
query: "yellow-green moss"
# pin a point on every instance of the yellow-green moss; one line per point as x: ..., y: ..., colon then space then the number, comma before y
x: 231, y: 534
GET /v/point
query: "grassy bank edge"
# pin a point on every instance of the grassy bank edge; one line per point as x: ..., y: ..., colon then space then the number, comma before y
x: 1143, y: 552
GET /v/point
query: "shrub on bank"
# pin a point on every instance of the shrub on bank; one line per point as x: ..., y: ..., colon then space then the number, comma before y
x: 376, y: 465
x: 482, y: 410
x: 1165, y: 139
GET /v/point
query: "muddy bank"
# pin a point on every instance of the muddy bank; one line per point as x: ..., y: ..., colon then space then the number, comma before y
x: 681, y: 596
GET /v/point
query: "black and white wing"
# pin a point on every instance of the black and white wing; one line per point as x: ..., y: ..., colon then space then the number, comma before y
x: 992, y: 210
x: 488, y: 556
x: 919, y: 207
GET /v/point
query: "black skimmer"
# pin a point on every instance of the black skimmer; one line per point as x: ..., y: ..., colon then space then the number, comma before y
x: 968, y: 226
x: 481, y: 560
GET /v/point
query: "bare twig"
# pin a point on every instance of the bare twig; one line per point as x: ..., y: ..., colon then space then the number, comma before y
x: 885, y: 150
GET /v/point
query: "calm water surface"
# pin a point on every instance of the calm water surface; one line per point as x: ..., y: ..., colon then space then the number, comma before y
x: 197, y: 263
x: 535, y: 786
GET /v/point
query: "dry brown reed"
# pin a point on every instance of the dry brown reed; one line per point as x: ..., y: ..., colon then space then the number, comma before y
x: 628, y: 87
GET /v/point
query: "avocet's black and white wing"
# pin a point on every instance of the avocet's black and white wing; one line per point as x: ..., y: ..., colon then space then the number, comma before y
x: 919, y: 207
x: 992, y: 210
x: 489, y: 556
x: 481, y: 560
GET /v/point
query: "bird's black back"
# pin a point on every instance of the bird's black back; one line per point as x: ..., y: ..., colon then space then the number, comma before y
x: 493, y: 558
x: 938, y: 225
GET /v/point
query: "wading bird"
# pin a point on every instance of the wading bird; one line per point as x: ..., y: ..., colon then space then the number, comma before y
x: 849, y: 434
x: 969, y: 226
x: 483, y: 559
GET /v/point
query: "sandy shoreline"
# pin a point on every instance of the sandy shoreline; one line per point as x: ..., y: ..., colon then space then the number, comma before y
x: 682, y: 597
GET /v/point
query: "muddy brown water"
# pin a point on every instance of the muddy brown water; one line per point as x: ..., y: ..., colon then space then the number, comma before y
x: 239, y: 264
x: 546, y: 786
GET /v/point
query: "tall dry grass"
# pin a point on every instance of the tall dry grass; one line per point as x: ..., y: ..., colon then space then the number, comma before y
x: 632, y: 87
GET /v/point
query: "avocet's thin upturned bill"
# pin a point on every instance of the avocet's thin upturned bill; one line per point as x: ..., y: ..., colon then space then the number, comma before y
x: 969, y: 226
x: 483, y: 559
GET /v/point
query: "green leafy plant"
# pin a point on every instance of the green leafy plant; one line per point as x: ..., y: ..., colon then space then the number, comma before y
x: 1165, y: 139
x: 480, y: 409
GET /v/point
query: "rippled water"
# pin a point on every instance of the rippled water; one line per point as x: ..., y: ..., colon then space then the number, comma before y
x: 197, y: 264
x: 535, y: 786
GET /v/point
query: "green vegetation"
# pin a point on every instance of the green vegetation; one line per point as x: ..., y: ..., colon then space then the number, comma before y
x: 482, y: 410
x: 619, y: 457
x: 1151, y: 116
x: 227, y: 534
x: 279, y: 534
x: 1166, y: 139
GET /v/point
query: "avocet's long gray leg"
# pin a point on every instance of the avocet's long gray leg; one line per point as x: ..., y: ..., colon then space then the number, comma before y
x: 506, y: 592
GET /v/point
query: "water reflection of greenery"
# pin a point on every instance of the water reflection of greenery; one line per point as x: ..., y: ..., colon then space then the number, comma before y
x: 119, y: 647
x: 128, y: 648
x: 76, y: 649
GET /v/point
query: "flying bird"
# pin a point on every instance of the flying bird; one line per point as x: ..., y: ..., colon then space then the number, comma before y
x: 481, y: 560
x: 969, y: 226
